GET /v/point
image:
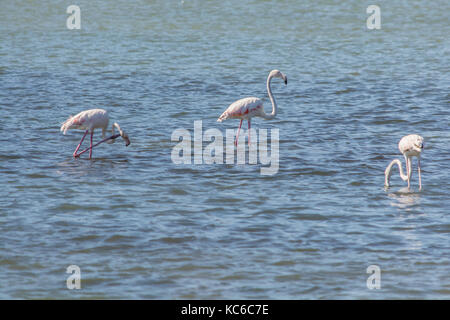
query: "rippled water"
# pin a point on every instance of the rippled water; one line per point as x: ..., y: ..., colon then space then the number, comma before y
x: 139, y: 226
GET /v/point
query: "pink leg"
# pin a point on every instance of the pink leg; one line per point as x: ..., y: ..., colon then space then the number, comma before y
x: 249, y: 120
x: 237, y: 136
x: 90, y: 149
x: 79, y: 145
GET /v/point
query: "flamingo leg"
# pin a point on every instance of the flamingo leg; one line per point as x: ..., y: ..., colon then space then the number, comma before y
x: 90, y: 149
x: 420, y: 178
x: 106, y: 139
x: 408, y: 170
x: 237, y: 136
x: 79, y: 145
x: 249, y: 121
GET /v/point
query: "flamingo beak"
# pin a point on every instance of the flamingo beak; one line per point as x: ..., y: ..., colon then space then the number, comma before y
x: 127, y: 141
x: 285, y: 80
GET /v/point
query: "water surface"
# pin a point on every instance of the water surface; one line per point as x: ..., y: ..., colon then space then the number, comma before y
x: 140, y: 226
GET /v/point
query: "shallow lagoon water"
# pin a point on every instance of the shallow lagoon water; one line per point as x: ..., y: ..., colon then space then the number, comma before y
x: 140, y: 226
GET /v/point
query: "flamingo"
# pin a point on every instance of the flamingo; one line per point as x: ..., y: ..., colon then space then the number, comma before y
x: 247, y: 108
x: 90, y: 120
x: 410, y: 146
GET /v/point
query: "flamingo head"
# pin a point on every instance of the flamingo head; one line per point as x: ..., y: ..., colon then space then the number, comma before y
x: 125, y: 137
x: 278, y: 74
x: 122, y: 134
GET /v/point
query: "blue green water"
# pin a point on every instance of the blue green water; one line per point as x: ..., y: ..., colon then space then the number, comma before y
x: 139, y: 226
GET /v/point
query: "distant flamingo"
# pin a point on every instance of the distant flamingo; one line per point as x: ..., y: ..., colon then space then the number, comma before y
x: 90, y: 120
x: 247, y: 108
x: 411, y: 146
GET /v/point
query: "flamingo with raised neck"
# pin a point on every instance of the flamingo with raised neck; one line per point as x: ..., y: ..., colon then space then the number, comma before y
x: 247, y: 108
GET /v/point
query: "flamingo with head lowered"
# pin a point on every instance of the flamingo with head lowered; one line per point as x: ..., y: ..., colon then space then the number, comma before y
x: 411, y: 146
x: 90, y: 120
x: 247, y: 108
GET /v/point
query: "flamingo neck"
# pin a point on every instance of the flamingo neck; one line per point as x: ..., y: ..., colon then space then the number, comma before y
x: 272, y: 100
x: 113, y: 133
x: 388, y: 171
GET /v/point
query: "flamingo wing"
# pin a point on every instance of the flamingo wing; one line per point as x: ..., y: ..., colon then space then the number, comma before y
x: 88, y: 119
x: 242, y: 109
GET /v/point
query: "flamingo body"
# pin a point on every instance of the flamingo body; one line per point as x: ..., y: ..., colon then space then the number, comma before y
x: 411, y: 145
x: 90, y: 120
x: 243, y: 109
x: 87, y: 120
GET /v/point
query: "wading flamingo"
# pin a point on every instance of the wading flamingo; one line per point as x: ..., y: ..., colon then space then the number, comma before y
x: 247, y: 108
x: 411, y: 146
x: 89, y: 120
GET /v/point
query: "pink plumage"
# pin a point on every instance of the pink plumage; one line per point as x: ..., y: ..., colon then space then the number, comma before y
x: 87, y: 120
x: 243, y: 109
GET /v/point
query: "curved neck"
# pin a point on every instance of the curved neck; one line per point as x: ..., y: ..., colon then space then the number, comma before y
x: 113, y: 127
x: 388, y: 171
x: 116, y: 126
x: 272, y: 99
x: 113, y: 136
x: 121, y: 134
